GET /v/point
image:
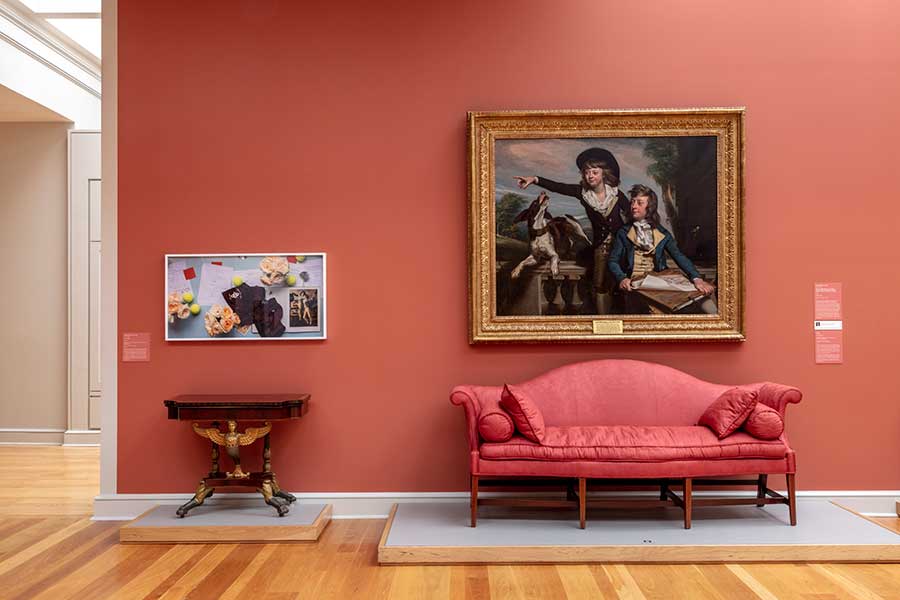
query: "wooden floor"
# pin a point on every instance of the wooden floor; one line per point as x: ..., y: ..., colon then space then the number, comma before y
x: 50, y: 549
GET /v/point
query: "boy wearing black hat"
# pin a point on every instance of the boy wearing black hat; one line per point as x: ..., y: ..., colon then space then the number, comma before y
x: 606, y: 208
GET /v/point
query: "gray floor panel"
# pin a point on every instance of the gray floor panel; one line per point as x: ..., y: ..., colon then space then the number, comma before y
x: 226, y: 512
x: 447, y: 524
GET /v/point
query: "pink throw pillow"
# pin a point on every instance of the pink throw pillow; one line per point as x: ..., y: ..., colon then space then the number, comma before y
x: 764, y: 423
x: 496, y: 426
x: 729, y: 411
x: 525, y: 413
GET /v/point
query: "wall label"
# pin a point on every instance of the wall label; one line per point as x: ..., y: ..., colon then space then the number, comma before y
x: 135, y: 347
x: 828, y: 324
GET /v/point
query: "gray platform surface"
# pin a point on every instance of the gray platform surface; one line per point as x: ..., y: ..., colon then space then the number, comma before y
x: 447, y: 525
x: 225, y: 512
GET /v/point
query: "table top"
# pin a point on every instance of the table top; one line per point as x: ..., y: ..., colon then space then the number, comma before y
x: 235, y: 406
x: 253, y: 400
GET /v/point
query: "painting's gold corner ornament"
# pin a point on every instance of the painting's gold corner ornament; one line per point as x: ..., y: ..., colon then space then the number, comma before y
x: 606, y: 225
x: 232, y: 440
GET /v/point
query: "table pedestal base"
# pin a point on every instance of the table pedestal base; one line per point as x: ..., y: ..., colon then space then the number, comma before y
x: 265, y: 483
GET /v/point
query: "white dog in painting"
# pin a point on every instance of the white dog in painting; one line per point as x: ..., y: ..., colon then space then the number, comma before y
x: 549, y: 236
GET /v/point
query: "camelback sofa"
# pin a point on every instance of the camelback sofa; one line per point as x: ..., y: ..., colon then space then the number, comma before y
x: 624, y: 422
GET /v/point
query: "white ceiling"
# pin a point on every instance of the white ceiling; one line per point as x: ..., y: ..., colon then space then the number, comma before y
x: 18, y: 108
x: 76, y: 22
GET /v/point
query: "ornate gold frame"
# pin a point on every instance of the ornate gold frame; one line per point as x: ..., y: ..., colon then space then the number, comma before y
x: 726, y: 124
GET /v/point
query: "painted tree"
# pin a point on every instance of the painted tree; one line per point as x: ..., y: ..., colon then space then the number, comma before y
x: 664, y: 169
x: 508, y: 207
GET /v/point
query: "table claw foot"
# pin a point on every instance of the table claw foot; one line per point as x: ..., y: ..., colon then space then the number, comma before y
x: 278, y: 503
x: 277, y: 491
x: 203, y: 492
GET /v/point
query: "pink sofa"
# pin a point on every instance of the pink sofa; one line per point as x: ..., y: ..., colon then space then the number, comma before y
x: 619, y: 421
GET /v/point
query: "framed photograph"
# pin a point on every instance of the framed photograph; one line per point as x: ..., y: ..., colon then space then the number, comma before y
x: 275, y: 296
x: 606, y: 225
x: 304, y: 309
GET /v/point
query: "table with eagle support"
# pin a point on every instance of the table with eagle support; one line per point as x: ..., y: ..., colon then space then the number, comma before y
x: 232, y: 410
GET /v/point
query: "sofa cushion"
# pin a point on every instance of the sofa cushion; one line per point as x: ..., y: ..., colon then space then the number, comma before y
x: 524, y: 412
x: 634, y: 443
x: 496, y: 426
x: 764, y: 423
x: 729, y: 411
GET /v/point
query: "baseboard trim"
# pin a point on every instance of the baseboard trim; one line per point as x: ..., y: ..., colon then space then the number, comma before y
x: 81, y: 437
x: 24, y: 436
x: 377, y: 505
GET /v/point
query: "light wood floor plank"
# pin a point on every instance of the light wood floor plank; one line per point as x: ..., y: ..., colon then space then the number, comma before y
x: 57, y: 562
x: 159, y: 571
x: 221, y: 578
x: 40, y: 546
x: 847, y: 583
x: 578, y: 581
x: 793, y: 581
x: 237, y: 588
x: 751, y: 582
x: 883, y: 580
x: 674, y: 581
x: 623, y: 583
x: 197, y: 573
x: 727, y: 583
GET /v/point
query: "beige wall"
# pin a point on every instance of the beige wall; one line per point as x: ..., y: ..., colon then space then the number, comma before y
x: 33, y: 272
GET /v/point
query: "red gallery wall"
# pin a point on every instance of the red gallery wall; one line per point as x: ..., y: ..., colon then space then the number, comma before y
x: 254, y: 126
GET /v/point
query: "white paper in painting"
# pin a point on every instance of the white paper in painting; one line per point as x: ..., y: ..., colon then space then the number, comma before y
x: 214, y: 279
x: 664, y: 283
x: 249, y: 276
x: 176, y: 280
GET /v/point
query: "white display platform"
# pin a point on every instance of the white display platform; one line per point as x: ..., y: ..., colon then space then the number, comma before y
x: 439, y: 533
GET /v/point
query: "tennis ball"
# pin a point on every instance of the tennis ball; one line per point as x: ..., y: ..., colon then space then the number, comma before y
x: 187, y: 297
x: 292, y: 279
x: 195, y: 309
x: 237, y: 280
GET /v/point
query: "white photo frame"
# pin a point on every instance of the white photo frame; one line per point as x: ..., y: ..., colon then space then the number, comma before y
x: 306, y: 270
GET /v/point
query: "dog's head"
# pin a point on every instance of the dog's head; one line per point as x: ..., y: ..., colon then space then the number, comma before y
x: 542, y: 201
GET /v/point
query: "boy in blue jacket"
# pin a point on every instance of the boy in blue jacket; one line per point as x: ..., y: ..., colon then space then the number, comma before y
x: 641, y: 247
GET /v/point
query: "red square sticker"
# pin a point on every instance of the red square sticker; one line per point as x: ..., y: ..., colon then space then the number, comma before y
x: 292, y: 259
x: 189, y: 273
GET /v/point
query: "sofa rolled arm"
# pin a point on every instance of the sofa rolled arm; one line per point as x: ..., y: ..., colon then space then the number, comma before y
x: 464, y: 395
x: 779, y: 396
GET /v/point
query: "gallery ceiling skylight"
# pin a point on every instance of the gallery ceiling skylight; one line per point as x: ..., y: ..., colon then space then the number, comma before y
x: 78, y: 21
x: 85, y: 32
x: 63, y: 6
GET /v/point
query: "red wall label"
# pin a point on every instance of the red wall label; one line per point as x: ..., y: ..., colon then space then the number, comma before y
x: 829, y: 325
x: 135, y: 347
x: 828, y: 302
x: 829, y: 347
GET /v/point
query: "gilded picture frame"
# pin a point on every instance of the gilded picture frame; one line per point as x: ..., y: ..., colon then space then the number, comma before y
x: 577, y: 276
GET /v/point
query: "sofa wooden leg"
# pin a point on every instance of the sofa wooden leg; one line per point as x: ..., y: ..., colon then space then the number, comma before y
x: 792, y: 497
x: 688, y: 502
x: 664, y: 491
x: 474, y: 501
x: 582, y: 501
x: 761, y: 486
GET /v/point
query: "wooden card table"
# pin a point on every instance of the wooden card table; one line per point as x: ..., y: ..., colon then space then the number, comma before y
x: 233, y: 410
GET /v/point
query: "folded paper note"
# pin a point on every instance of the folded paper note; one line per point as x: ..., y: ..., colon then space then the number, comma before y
x: 214, y: 279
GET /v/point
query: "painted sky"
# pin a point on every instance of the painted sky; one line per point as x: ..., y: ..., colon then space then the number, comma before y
x: 555, y: 159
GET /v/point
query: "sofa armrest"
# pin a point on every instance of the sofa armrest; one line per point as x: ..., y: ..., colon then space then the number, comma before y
x: 465, y: 396
x: 778, y: 396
